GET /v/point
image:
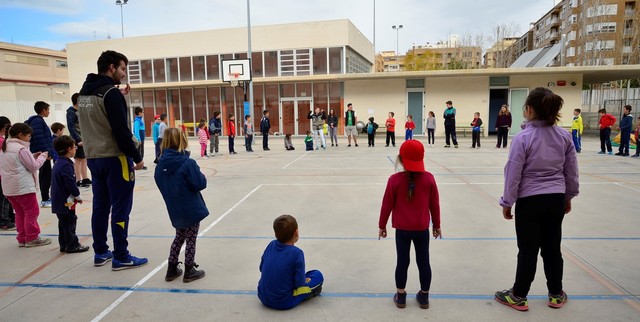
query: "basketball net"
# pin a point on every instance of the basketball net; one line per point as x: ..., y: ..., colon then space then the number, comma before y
x: 234, y: 79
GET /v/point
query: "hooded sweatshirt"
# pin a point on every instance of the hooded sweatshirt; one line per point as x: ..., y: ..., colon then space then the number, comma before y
x: 104, y: 121
x: 180, y: 181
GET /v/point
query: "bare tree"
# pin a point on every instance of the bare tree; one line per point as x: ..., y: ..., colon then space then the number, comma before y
x: 503, y: 51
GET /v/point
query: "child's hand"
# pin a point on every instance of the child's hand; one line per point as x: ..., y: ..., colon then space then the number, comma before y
x: 506, y: 213
x: 382, y: 233
x: 307, y: 280
x: 567, y: 206
x: 36, y: 155
x: 437, y: 233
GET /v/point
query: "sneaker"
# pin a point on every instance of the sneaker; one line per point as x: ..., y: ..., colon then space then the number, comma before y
x: 324, y: 148
x: 619, y: 153
x: 45, y: 204
x: 356, y: 144
x: 625, y: 154
x: 507, y: 298
x: 317, y: 148
x: 8, y: 227
x: 394, y: 145
x: 79, y: 183
x: 87, y: 181
x: 423, y: 299
x: 610, y: 152
x: 601, y: 152
x: 557, y: 301
x: 455, y: 146
x: 101, y: 259
x: 21, y: 244
x: 38, y: 242
x: 447, y: 146
x: 79, y: 249
x: 635, y: 155
x: 400, y: 299
x: 131, y: 262
x: 234, y: 152
x: 386, y: 145
x: 316, y: 291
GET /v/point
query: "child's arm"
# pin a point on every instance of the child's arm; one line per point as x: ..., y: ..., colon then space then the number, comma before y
x: 434, y: 208
x: 298, y: 271
x: 571, y: 175
x: 388, y: 201
x: 30, y: 162
x: 69, y: 180
x: 479, y: 123
x: 513, y: 173
x: 196, y: 181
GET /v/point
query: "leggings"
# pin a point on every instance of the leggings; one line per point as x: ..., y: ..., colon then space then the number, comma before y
x: 189, y: 234
x: 420, y: 240
x: 333, y: 133
x: 203, y: 149
x: 319, y: 138
x: 432, y: 137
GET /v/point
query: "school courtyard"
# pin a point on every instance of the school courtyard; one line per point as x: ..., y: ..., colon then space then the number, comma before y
x: 335, y: 196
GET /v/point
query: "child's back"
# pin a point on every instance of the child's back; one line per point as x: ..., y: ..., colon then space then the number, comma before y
x: 283, y: 275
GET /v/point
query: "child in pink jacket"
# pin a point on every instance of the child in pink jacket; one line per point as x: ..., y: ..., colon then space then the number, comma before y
x: 202, y: 138
x: 18, y: 170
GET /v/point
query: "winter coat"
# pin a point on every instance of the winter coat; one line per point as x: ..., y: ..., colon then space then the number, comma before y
x: 18, y: 168
x: 41, y: 138
x: 180, y: 181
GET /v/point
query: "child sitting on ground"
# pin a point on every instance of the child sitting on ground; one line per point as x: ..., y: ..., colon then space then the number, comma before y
x: 65, y: 194
x: 308, y: 141
x: 283, y: 283
x: 180, y: 181
x: 287, y: 142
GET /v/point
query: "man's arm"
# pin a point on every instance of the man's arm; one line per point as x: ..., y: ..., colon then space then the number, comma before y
x: 116, y: 107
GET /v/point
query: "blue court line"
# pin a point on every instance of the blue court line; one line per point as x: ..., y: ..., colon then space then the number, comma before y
x: 349, y: 238
x: 324, y: 294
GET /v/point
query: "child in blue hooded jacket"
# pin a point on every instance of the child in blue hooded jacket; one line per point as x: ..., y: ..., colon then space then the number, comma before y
x: 180, y: 181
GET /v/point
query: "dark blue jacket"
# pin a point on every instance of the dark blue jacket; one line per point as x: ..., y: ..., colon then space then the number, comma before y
x: 72, y: 124
x: 63, y: 184
x: 179, y: 179
x: 626, y: 122
x: 215, y: 126
x: 41, y: 139
x: 265, y: 125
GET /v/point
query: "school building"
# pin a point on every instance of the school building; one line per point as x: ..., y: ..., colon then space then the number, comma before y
x: 326, y: 64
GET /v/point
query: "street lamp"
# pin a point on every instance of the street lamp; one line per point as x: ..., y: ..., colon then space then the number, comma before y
x: 397, y: 29
x: 121, y: 3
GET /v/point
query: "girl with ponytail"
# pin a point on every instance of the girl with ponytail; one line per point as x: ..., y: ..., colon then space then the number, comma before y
x: 412, y: 197
x: 7, y: 219
x: 540, y: 178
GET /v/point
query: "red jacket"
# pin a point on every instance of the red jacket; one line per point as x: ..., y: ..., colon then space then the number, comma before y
x: 232, y: 128
x: 607, y: 120
x: 409, y: 125
x: 414, y: 214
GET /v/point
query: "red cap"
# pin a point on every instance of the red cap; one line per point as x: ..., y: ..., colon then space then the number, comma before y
x: 157, y: 116
x: 412, y: 154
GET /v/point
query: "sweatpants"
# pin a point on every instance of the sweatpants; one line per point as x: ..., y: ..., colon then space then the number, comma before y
x: 188, y: 235
x: 577, y: 140
x: 391, y: 136
x: 475, y: 139
x: 113, y: 183
x: 503, y: 134
x: 158, y: 144
x: 539, y: 227
x: 300, y: 294
x: 67, y: 231
x: 625, y: 138
x: 231, y: 147
x: 7, y: 217
x: 215, y: 142
x: 450, y: 134
x: 44, y: 179
x: 431, y: 136
x: 420, y: 240
x: 248, y: 139
x: 27, y: 212
x: 605, y: 139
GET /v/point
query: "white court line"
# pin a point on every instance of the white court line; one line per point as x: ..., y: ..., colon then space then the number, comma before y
x: 161, y: 266
x: 439, y: 184
x: 292, y: 162
x: 621, y: 185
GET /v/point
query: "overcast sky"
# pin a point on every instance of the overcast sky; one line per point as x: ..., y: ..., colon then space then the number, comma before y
x: 54, y: 23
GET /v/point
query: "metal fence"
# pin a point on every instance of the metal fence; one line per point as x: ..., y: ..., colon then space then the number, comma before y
x: 20, y: 111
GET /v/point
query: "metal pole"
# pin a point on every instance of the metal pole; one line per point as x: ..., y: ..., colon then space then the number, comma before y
x: 249, y: 56
x: 122, y: 20
x: 374, y: 36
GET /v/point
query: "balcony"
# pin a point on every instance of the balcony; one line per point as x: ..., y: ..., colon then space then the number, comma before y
x: 629, y: 12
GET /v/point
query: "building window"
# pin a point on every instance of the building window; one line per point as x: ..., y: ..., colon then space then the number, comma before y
x: 146, y: 71
x: 213, y: 67
x: 26, y: 60
x: 61, y: 64
x: 158, y: 71
x: 356, y: 63
x: 134, y: 72
x: 198, y: 68
x: 172, y: 69
x: 335, y: 60
x: 270, y: 63
x: 185, y: 69
x: 320, y: 61
x: 256, y: 64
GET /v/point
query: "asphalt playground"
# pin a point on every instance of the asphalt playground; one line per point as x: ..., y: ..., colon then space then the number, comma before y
x: 335, y: 196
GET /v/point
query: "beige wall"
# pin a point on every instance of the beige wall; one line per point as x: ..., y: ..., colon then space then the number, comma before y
x: 336, y: 33
x: 379, y: 97
x: 19, y: 71
x: 572, y: 95
x: 468, y: 94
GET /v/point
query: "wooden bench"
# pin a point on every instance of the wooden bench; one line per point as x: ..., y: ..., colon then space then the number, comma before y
x: 469, y: 128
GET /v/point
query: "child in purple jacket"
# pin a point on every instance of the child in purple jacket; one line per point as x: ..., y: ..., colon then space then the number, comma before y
x: 540, y: 178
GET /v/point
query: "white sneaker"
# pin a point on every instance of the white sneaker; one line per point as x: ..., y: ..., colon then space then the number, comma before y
x: 45, y: 204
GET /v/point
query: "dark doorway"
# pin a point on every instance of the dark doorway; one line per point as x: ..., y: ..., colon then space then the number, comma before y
x: 497, y: 97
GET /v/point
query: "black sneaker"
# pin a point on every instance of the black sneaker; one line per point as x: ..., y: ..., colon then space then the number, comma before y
x: 79, y: 249
x: 619, y: 153
x: 87, y: 181
x: 400, y: 299
x: 423, y: 299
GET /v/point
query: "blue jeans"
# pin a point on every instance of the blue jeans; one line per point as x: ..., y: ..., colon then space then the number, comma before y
x: 577, y: 140
x: 113, y: 181
x: 625, y: 137
x: 408, y: 135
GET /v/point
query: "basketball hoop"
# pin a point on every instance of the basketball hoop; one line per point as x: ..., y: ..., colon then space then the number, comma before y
x: 234, y: 79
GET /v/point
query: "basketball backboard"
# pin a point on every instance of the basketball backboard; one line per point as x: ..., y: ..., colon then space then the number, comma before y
x: 234, y: 70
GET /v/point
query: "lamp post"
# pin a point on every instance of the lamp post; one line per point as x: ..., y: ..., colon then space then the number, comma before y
x: 121, y: 3
x: 397, y: 29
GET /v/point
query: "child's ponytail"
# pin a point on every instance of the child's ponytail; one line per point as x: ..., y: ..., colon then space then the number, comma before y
x: 412, y: 184
x: 6, y: 137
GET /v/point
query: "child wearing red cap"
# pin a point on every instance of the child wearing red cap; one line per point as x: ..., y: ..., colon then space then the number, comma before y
x: 412, y: 197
